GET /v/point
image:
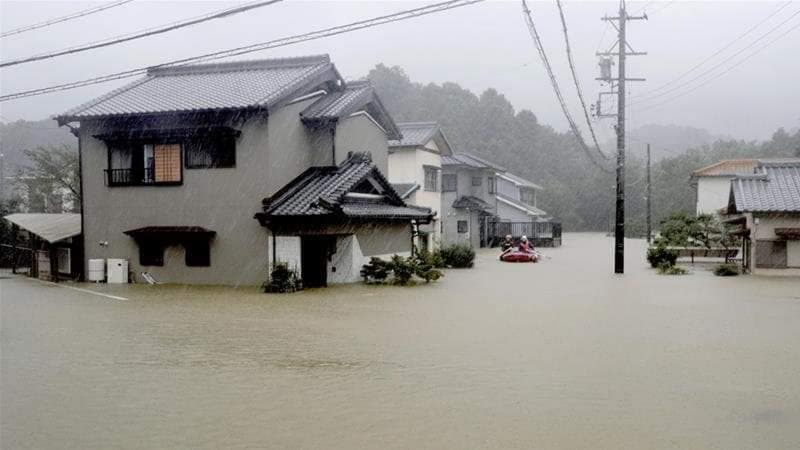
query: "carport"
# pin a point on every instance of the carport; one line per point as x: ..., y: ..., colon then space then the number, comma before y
x: 54, y: 241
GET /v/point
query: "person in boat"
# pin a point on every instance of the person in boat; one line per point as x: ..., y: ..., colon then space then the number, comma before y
x: 507, y: 243
x: 525, y: 246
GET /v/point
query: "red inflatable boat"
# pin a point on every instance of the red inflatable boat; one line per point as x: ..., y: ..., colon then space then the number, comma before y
x: 518, y: 256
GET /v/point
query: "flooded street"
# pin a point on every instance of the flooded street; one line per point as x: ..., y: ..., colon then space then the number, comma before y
x: 560, y: 354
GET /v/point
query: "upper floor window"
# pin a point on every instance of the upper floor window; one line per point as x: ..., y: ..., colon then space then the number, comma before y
x: 449, y: 182
x: 132, y: 163
x: 211, y: 152
x: 492, y: 185
x: 477, y: 181
x: 431, y: 178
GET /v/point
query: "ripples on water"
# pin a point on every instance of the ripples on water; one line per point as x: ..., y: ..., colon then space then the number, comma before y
x: 561, y: 354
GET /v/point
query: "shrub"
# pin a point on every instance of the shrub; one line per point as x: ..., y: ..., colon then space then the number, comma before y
x: 666, y: 269
x: 425, y: 267
x: 403, y: 269
x: 376, y: 271
x: 458, y: 256
x: 282, y: 279
x: 432, y: 259
x: 661, y: 255
x: 726, y: 270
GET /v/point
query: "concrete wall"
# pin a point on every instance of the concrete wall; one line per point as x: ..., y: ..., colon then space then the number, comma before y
x: 359, y: 133
x: 712, y: 194
x: 269, y: 154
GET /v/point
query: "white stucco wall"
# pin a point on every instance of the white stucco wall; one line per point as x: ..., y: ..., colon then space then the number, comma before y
x: 712, y: 194
x: 407, y: 165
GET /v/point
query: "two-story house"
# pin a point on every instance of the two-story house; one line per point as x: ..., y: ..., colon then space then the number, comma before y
x: 713, y: 183
x: 469, y: 203
x: 415, y: 165
x: 517, y: 199
x: 177, y: 166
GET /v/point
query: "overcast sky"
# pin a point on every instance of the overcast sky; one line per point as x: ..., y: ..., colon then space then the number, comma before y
x: 479, y: 46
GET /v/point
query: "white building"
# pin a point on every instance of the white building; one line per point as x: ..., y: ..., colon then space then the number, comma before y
x: 415, y: 165
x: 713, y: 183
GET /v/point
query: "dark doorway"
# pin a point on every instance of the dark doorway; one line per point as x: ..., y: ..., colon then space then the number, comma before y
x: 314, y: 252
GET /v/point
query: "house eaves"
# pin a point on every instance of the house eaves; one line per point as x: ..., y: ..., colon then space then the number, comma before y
x: 245, y: 85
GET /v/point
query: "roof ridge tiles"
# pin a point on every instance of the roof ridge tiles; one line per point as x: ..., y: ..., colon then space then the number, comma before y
x: 236, y: 66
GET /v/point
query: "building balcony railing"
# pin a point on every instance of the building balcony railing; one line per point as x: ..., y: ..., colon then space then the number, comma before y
x: 140, y: 177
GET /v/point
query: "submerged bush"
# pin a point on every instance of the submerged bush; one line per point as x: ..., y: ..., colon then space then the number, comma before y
x: 661, y: 255
x: 432, y: 259
x: 402, y: 269
x: 726, y: 270
x: 666, y: 269
x: 458, y: 256
x: 376, y: 271
x: 282, y: 279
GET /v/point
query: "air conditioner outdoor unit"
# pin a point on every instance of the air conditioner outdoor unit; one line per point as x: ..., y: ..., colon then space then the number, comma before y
x: 117, y: 271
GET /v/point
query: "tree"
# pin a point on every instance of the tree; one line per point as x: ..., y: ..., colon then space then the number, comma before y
x: 53, y: 171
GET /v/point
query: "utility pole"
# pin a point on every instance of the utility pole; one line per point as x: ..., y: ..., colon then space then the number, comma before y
x: 649, y: 196
x: 623, y: 49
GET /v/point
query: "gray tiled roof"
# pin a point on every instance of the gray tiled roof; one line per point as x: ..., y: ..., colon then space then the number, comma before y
x: 321, y: 191
x: 774, y: 188
x: 469, y: 160
x: 204, y: 87
x: 468, y: 201
x: 356, y: 96
x: 339, y: 103
x: 405, y: 189
x: 415, y: 134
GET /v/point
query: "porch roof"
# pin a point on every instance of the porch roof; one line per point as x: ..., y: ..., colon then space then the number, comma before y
x: 50, y: 227
x: 164, y: 232
x: 354, y: 190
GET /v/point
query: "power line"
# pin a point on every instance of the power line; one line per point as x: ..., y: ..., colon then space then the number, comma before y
x: 313, y: 35
x: 144, y: 33
x: 713, y: 55
x: 540, y: 48
x: 652, y: 97
x: 740, y: 62
x: 575, y: 79
x: 68, y: 17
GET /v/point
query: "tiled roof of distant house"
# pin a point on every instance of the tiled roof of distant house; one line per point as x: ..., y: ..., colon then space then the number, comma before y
x: 212, y: 87
x: 470, y: 202
x: 405, y: 189
x: 418, y: 134
x: 356, y: 96
x: 727, y: 167
x: 775, y: 187
x: 519, y: 181
x: 355, y: 189
x: 415, y: 134
x: 469, y: 160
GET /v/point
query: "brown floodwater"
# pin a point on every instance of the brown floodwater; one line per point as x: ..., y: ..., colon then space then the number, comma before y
x: 560, y: 354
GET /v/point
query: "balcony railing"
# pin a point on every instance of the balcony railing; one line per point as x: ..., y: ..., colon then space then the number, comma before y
x: 142, y: 177
x: 542, y: 234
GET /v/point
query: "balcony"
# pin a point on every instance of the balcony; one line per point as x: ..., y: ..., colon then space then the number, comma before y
x: 142, y: 177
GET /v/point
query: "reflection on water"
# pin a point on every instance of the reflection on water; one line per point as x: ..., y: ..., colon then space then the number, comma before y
x: 560, y: 354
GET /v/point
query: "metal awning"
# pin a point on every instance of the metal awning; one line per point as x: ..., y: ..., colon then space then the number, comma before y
x: 50, y: 227
x: 162, y: 233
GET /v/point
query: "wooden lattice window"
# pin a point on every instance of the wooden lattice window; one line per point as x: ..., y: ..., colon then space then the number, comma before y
x: 167, y: 162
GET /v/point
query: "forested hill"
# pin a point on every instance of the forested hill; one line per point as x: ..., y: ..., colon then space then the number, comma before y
x: 576, y: 192
x: 15, y: 137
